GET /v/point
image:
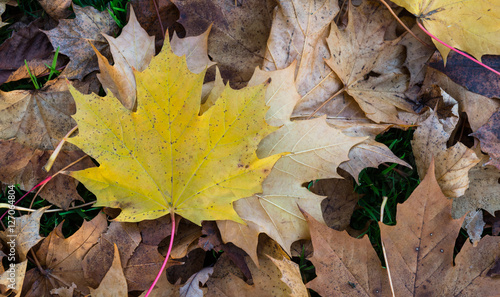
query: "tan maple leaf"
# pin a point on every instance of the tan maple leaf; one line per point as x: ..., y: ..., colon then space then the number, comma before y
x: 420, y: 248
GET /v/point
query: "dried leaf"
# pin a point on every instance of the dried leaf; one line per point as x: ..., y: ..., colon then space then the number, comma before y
x: 73, y: 37
x: 474, y: 225
x: 276, y: 276
x: 419, y: 249
x: 345, y: 266
x: 483, y: 191
x: 489, y: 136
x: 61, y: 259
x: 195, y: 50
x: 57, y: 9
x: 114, y: 283
x: 99, y: 259
x: 192, y: 288
x: 239, y: 33
x: 133, y: 49
x: 452, y: 164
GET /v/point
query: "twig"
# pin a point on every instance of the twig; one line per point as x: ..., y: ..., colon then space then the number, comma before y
x: 20, y: 208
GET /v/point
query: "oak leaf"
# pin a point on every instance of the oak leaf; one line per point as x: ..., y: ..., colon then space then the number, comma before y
x: 73, y: 36
x: 420, y: 249
x: 469, y: 25
x: 166, y: 158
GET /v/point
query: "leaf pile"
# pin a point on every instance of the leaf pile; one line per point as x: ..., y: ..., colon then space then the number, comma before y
x: 221, y: 130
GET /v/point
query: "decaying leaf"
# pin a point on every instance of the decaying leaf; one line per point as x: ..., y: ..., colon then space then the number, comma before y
x: 133, y: 49
x: 2, y: 9
x: 419, y: 249
x: 99, y: 259
x: 57, y: 9
x: 489, y: 136
x: 19, y: 239
x: 114, y: 283
x: 195, y: 166
x: 483, y: 191
x: 73, y: 37
x: 345, y: 266
x: 452, y: 164
x: 478, y: 108
x: 192, y: 288
x: 61, y: 259
x: 275, y: 211
x: 237, y: 41
x: 468, y: 25
x: 474, y: 225
x: 277, y: 275
x: 360, y: 49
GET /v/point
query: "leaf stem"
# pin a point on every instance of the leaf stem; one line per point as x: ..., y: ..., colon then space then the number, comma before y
x: 172, y: 219
x: 456, y: 50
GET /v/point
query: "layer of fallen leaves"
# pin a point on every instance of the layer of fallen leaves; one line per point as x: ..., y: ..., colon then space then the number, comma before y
x: 337, y: 76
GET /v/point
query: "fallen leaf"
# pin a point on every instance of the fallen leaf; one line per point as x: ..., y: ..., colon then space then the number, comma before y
x: 16, y: 274
x: 2, y: 10
x: 74, y: 36
x: 467, y: 25
x: 133, y: 49
x: 156, y: 17
x: 164, y: 288
x: 340, y: 201
x: 114, y: 283
x: 57, y: 9
x: 417, y: 55
x: 359, y: 49
x: 167, y: 176
x: 143, y: 266
x: 192, y: 288
x: 467, y: 74
x: 478, y: 108
x: 154, y: 231
x: 237, y: 41
x: 24, y: 234
x: 281, y: 94
x: 64, y: 291
x: 474, y: 225
x: 277, y: 275
x: 483, y: 191
x: 419, y: 249
x: 275, y: 211
x: 195, y: 50
x: 99, y: 259
x: 345, y: 266
x: 489, y: 137
x: 185, y: 240
x: 298, y: 32
x: 19, y: 239
x: 61, y: 259
x: 452, y: 164
x: 28, y: 44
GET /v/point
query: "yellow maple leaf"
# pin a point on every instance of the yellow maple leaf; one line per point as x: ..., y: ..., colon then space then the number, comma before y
x: 165, y: 157
x: 469, y: 25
